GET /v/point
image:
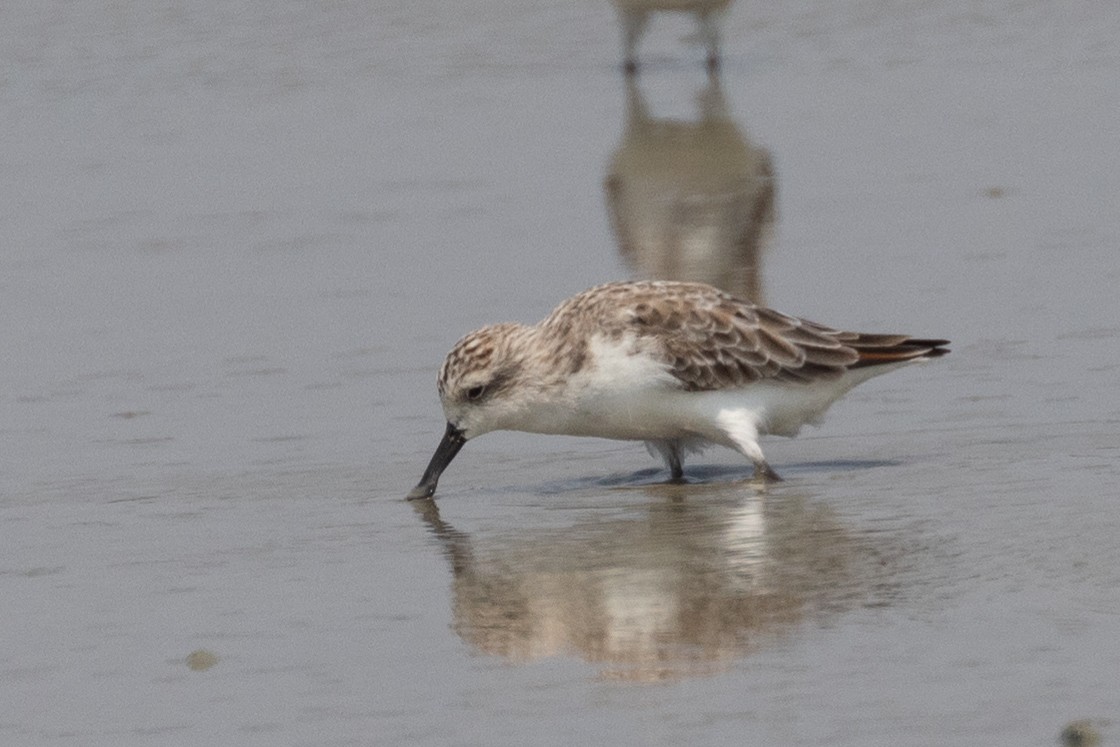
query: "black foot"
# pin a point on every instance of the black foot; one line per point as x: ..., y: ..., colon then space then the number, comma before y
x: 765, y: 472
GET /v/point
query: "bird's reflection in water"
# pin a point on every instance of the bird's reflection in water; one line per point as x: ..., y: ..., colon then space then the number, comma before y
x: 682, y: 589
x: 691, y: 200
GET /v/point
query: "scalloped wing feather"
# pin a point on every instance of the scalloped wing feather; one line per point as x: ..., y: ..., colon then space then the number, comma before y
x: 710, y: 340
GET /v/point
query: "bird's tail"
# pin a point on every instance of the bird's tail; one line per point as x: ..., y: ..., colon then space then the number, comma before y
x: 877, y: 350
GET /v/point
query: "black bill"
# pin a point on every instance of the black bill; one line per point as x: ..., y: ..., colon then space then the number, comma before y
x: 453, y: 440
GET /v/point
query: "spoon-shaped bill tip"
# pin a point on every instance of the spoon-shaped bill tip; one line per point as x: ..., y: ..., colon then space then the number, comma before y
x: 449, y: 446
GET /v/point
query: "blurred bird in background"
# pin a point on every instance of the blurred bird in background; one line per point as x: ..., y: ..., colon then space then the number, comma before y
x: 635, y: 14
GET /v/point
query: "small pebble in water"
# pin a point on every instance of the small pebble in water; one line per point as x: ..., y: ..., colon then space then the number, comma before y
x: 1080, y: 733
x: 201, y: 660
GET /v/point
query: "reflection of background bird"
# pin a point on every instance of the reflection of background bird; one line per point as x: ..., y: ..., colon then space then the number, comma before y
x: 691, y: 200
x: 634, y: 15
x: 682, y: 590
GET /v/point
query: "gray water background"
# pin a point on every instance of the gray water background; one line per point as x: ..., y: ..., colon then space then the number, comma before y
x: 237, y: 238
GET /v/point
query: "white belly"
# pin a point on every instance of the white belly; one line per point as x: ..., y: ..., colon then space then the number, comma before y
x: 634, y: 397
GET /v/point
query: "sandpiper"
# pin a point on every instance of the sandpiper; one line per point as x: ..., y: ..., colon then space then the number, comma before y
x: 678, y: 365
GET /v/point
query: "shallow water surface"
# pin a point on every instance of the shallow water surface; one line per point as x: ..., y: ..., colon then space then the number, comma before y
x: 239, y: 238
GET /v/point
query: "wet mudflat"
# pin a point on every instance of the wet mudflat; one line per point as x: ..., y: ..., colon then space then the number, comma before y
x: 238, y: 240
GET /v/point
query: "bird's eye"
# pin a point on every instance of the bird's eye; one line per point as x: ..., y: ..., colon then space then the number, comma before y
x: 476, y: 392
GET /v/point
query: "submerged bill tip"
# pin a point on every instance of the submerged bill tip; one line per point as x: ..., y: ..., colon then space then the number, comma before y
x: 453, y: 440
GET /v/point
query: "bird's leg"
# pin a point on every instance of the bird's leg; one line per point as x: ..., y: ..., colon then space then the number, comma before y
x: 676, y: 469
x: 633, y: 24
x: 673, y: 455
x: 709, y: 30
x: 741, y: 429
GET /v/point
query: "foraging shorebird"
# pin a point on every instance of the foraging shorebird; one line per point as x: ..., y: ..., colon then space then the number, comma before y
x: 677, y: 365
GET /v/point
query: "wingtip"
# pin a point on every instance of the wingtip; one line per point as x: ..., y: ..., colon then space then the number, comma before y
x: 908, y: 349
x: 934, y: 348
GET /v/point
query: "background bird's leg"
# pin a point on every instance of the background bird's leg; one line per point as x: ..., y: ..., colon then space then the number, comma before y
x: 709, y: 30
x: 633, y: 24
